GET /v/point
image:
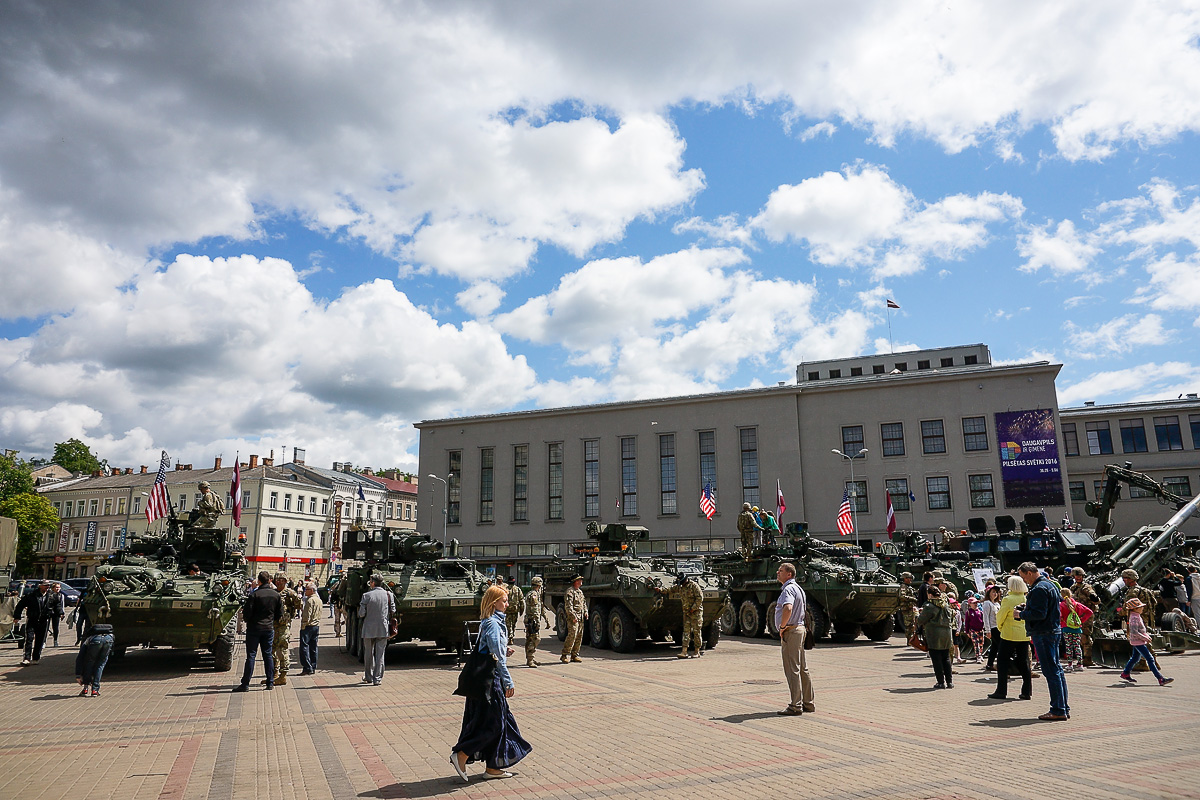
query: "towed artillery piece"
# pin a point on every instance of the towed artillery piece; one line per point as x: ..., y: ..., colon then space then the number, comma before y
x: 631, y: 598
x: 435, y: 595
x: 847, y: 591
x: 145, y: 593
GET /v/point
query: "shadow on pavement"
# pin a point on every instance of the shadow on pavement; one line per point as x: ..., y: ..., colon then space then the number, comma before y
x: 738, y: 719
x: 990, y: 701
x: 426, y: 788
x: 1006, y: 723
x: 914, y: 690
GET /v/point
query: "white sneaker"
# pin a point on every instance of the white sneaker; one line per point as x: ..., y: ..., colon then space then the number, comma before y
x: 25, y: 662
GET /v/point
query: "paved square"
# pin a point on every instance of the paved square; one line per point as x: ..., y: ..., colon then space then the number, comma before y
x: 644, y: 725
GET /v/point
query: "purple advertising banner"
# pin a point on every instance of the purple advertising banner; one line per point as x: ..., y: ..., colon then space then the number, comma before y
x: 1029, y: 468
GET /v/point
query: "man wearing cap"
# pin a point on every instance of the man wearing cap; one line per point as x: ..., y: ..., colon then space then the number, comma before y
x: 1085, y: 595
x: 516, y: 606
x: 575, y: 607
x: 208, y: 510
x: 38, y: 606
x: 692, y: 598
x: 748, y: 527
x: 535, y: 614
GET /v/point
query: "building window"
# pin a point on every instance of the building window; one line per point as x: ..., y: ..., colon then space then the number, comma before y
x: 1070, y: 439
x: 300, y: 504
x: 970, y: 359
x: 274, y: 500
x: 284, y: 540
x: 551, y: 549
x: 877, y: 369
x: 182, y: 502
x: 108, y: 506
x: 629, y: 506
x: 974, y: 434
x: 322, y: 540
x: 814, y: 376
x: 358, y: 510
x: 453, y: 487
x: 520, y: 483
x: 312, y: 505
x: 79, y: 512
x: 1194, y: 421
x: 103, y: 543
x: 852, y: 439
x: 708, y: 460
x: 1099, y: 439
x: 938, y: 490
x: 1098, y: 487
x: 897, y: 489
x: 120, y: 506
x: 982, y: 495
x: 1133, y: 436
x: 137, y: 505
x: 749, y: 445
x: 1138, y: 493
x: 270, y: 537
x: 948, y: 362
x: 1166, y: 430
x: 83, y: 570
x: 922, y: 365
x: 669, y: 499
x: 858, y: 495
x: 554, y: 494
x: 346, y: 508
x: 1078, y: 492
x: 490, y: 551
x: 699, y: 545
x: 1181, y: 486
x: 94, y: 505
x: 287, y: 502
x: 487, y: 484
x: 902, y: 366
x: 591, y: 478
x: 893, y: 438
x: 312, y: 539
x: 324, y: 504
x: 835, y: 373
x: 855, y: 372
x: 933, y: 437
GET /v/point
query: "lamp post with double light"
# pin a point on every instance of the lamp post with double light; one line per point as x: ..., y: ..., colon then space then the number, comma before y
x: 853, y: 487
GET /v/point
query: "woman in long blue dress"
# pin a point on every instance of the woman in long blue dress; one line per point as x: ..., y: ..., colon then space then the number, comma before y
x: 489, y: 732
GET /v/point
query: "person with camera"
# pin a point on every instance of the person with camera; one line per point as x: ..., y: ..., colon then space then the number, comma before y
x: 1041, y: 614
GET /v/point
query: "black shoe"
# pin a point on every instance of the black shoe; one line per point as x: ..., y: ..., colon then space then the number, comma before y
x: 939, y: 686
x: 270, y: 686
x: 949, y: 685
x: 241, y: 687
x: 998, y: 696
x: 1024, y: 697
x: 789, y: 712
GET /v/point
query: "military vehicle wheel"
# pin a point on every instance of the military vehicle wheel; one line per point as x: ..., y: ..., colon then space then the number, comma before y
x: 711, y: 634
x: 845, y: 632
x: 729, y: 619
x: 750, y: 618
x: 881, y: 631
x: 820, y: 620
x: 560, y: 622
x: 222, y: 648
x: 622, y: 630
x: 771, y: 629
x: 598, y: 626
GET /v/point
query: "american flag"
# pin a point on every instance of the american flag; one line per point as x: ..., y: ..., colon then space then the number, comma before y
x: 845, y: 523
x: 891, y: 516
x: 235, y: 489
x: 708, y: 501
x: 159, y: 504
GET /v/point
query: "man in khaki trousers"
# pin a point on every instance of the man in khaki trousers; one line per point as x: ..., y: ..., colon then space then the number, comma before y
x: 789, y: 619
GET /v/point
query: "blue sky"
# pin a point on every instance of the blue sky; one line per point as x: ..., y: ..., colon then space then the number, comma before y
x: 237, y: 230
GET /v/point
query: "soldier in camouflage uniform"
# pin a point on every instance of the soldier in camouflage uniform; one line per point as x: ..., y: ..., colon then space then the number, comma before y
x: 692, y: 597
x: 535, y: 613
x: 1085, y: 595
x: 516, y: 606
x: 748, y: 527
x: 908, y: 604
x: 575, y: 607
x: 292, y: 604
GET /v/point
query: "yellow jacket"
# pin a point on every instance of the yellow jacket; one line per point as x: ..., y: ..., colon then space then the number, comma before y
x: 1011, y: 630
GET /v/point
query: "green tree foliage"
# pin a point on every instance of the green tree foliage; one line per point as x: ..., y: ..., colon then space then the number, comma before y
x: 76, y: 456
x: 34, y: 516
x: 15, y: 477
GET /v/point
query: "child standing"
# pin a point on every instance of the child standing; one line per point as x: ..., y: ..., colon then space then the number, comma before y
x: 973, y: 624
x: 1139, y: 640
x: 1074, y: 615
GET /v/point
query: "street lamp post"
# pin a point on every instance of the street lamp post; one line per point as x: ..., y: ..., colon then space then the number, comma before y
x: 445, y: 509
x: 854, y: 489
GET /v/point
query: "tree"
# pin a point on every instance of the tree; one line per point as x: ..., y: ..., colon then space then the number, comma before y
x: 34, y: 516
x: 75, y: 456
x: 15, y: 477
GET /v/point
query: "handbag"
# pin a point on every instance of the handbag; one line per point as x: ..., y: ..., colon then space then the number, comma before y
x: 917, y: 642
x: 477, y: 675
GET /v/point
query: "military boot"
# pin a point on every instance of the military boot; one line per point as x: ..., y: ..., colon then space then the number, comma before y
x: 682, y: 654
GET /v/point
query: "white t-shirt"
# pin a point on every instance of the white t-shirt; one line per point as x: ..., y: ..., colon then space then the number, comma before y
x: 989, y: 610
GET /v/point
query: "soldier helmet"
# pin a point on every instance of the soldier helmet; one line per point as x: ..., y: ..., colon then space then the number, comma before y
x: 680, y: 579
x: 536, y: 580
x: 1078, y: 572
x: 512, y: 579
x: 937, y: 573
x: 906, y: 575
x: 577, y: 578
x: 205, y: 485
x: 745, y: 506
x: 1129, y: 573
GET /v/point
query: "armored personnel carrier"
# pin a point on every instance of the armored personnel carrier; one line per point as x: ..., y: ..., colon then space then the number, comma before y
x: 847, y: 591
x: 630, y: 598
x: 434, y: 595
x: 911, y: 552
x: 1013, y: 543
x: 146, y: 595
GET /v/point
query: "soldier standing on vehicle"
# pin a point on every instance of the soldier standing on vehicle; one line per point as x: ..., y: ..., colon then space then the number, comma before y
x: 535, y: 613
x: 282, y: 646
x: 692, y: 597
x: 908, y: 604
x: 1085, y: 594
x: 575, y: 607
x: 748, y: 527
x: 516, y: 606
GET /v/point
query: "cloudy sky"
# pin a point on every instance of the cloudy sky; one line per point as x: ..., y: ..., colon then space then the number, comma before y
x: 232, y: 226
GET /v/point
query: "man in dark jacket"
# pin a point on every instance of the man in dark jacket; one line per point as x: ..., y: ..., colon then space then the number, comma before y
x: 39, y: 607
x: 1042, y: 615
x: 262, y: 609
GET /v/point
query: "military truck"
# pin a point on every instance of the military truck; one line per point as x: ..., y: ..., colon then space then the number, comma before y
x: 631, y: 598
x: 911, y: 551
x: 434, y: 595
x: 847, y: 591
x: 145, y: 594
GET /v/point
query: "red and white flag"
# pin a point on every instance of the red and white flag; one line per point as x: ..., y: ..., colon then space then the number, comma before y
x: 891, y: 516
x: 780, y: 506
x: 892, y: 304
x: 845, y: 522
x: 159, y: 504
x: 235, y: 490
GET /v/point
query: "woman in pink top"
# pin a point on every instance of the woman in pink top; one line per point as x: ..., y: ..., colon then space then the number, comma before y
x: 1139, y: 640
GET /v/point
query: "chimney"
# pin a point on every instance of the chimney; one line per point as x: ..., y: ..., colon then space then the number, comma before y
x: 367, y: 471
x: 217, y: 463
x: 143, y: 469
x: 269, y: 462
x: 97, y: 473
x: 253, y: 461
x: 129, y: 470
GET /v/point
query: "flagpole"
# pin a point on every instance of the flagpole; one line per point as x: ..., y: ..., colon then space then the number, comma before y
x: 891, y: 344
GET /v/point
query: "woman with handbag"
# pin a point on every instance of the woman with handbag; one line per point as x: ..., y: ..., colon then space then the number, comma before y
x: 489, y: 732
x: 1014, y: 643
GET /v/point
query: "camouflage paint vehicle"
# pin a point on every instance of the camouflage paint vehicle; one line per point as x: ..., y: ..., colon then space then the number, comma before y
x: 435, y: 595
x: 145, y: 594
x: 911, y: 552
x: 847, y: 591
x: 631, y: 598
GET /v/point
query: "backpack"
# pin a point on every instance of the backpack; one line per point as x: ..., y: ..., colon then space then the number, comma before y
x: 1073, y: 620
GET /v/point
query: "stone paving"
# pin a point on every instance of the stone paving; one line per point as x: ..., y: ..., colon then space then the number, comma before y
x: 616, y: 726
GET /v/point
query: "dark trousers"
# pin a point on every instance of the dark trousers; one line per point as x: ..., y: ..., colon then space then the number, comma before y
x: 54, y: 626
x: 995, y: 646
x: 308, y: 647
x: 264, y: 639
x: 1013, y: 657
x: 941, y: 666
x: 35, y: 638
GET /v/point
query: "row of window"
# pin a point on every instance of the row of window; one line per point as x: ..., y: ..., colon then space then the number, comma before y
x: 1168, y: 435
x: 933, y: 437
x: 651, y: 547
x: 297, y: 539
x: 980, y: 490
x: 91, y: 507
x: 626, y: 501
x: 901, y: 366
x: 1180, y: 485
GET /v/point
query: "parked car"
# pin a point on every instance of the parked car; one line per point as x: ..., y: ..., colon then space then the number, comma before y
x: 70, y: 593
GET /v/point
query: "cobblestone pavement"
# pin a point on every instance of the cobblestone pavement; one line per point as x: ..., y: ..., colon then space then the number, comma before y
x: 640, y: 725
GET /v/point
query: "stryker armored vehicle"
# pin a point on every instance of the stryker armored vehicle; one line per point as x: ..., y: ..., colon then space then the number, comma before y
x: 630, y: 598
x: 145, y: 594
x: 1049, y: 548
x: 434, y: 595
x: 847, y: 591
x: 911, y: 552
